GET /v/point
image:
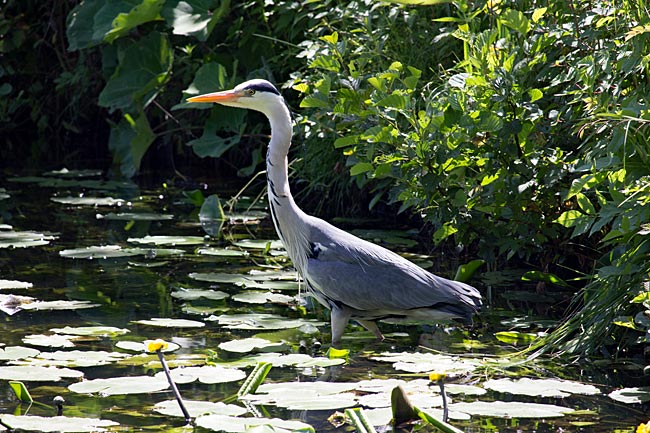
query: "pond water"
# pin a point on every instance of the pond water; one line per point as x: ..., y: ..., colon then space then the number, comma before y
x: 90, y: 269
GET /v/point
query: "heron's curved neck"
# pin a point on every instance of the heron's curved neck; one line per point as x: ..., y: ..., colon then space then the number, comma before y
x: 276, y: 157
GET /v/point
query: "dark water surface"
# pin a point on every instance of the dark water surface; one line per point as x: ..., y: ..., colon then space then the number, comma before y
x: 128, y: 289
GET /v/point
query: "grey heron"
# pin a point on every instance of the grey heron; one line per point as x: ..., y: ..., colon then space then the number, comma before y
x: 354, y: 278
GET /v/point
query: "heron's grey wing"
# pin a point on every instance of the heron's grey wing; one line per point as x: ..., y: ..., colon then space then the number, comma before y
x: 365, y: 276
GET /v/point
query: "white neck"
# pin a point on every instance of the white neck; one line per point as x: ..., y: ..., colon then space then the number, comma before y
x: 276, y: 157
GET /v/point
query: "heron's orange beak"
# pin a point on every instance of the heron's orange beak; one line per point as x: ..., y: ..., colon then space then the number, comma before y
x: 219, y: 97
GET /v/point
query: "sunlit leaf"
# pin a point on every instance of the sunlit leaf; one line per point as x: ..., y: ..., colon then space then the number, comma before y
x: 13, y: 284
x: 222, y: 252
x: 136, y: 346
x: 425, y: 362
x: 192, y: 294
x: 259, y: 321
x: 259, y: 244
x: 204, y: 374
x: 253, y: 344
x: 89, y: 201
x: 133, y: 216
x: 13, y: 353
x: 37, y: 373
x: 170, y: 323
x: 53, y: 340
x: 255, y: 297
x: 198, y: 408
x: 223, y: 423
x: 115, y: 251
x: 120, y: 385
x: 511, y: 409
x: 169, y: 240
x: 556, y: 388
x: 634, y: 395
x: 58, y: 305
x: 13, y: 239
x: 298, y: 360
x: 56, y: 423
x: 21, y: 391
x: 96, y: 331
x: 75, y: 358
x: 305, y: 395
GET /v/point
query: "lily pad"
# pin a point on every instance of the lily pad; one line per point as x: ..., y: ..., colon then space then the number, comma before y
x: 11, y: 304
x: 205, y: 374
x: 305, y: 395
x: 96, y: 331
x: 53, y: 340
x: 259, y: 321
x: 631, y: 395
x: 115, y: 251
x: 13, y: 239
x: 170, y: 323
x: 120, y: 385
x: 89, y: 201
x: 222, y: 252
x: 75, y: 358
x: 510, y: 409
x: 37, y: 373
x: 66, y: 173
x: 220, y: 277
x: 197, y: 408
x: 132, y: 216
x: 258, y: 297
x: 192, y: 294
x: 58, y: 305
x: 540, y: 387
x: 271, y: 285
x: 423, y: 362
x: 135, y: 346
x: 13, y: 284
x: 223, y: 423
x: 56, y: 423
x: 169, y: 240
x: 13, y: 353
x: 259, y: 244
x: 298, y: 360
x: 252, y: 344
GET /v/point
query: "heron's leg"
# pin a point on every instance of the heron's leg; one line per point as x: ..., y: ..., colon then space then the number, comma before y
x: 372, y: 327
x: 339, y: 318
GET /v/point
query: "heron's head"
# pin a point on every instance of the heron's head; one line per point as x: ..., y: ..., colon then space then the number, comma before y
x: 255, y: 94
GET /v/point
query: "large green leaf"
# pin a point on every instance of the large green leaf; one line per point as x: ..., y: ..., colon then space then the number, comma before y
x: 129, y: 141
x: 194, y: 17
x: 222, y: 120
x: 144, y: 67
x: 148, y: 10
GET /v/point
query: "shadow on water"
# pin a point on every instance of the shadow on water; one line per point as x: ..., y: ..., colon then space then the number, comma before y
x: 154, y: 284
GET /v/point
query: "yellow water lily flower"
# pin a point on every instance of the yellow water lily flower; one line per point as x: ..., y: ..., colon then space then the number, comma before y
x: 643, y: 428
x: 155, y: 345
x: 435, y: 376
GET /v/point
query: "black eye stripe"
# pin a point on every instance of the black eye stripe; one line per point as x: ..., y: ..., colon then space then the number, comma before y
x: 264, y: 87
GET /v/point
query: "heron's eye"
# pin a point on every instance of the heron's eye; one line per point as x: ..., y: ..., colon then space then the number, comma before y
x: 250, y: 92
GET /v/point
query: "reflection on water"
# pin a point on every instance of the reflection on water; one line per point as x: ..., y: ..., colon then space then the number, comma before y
x: 139, y: 286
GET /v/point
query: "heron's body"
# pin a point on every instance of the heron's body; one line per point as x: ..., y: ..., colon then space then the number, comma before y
x: 354, y: 278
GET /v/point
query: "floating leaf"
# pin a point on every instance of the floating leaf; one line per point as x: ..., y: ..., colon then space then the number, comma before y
x: 252, y: 344
x: 12, y: 239
x: 96, y: 331
x: 170, y: 323
x: 58, y: 305
x: 13, y: 284
x: 223, y: 423
x: 257, y: 297
x: 425, y: 362
x: 198, y: 408
x: 633, y: 395
x: 510, y: 409
x: 299, y: 360
x: 115, y: 251
x: 205, y: 374
x: 222, y: 252
x: 89, y: 201
x: 13, y: 353
x: 120, y: 385
x: 259, y: 244
x: 55, y: 423
x: 557, y: 388
x: 11, y: 304
x: 169, y: 240
x: 192, y: 294
x: 258, y: 321
x: 52, y: 340
x: 220, y: 277
x: 37, y: 373
x: 305, y: 395
x: 131, y: 216
x: 75, y: 358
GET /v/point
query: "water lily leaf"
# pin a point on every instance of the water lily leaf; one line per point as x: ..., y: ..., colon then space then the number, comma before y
x: 258, y: 321
x: 192, y: 294
x: 120, y: 385
x: 257, y: 297
x: 223, y: 423
x: 13, y: 353
x: 247, y: 345
x: 260, y: 244
x: 169, y: 240
x: 11, y: 304
x: 96, y: 331
x: 557, y: 388
x: 510, y: 409
x: 135, y: 346
x: 271, y: 285
x: 305, y: 395
x: 220, y: 277
x: 424, y: 362
x: 299, y: 360
x: 205, y: 374
x: 52, y: 340
x: 56, y: 423
x: 75, y: 358
x: 58, y: 305
x: 222, y: 252
x: 170, y: 323
x: 198, y: 408
x: 13, y: 284
x: 13, y: 239
x: 131, y: 216
x: 67, y: 173
x: 37, y: 373
x: 631, y: 395
x: 115, y: 251
x: 89, y: 201
x: 248, y: 217
x: 458, y: 388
